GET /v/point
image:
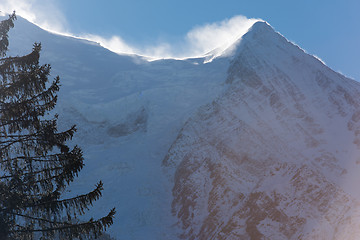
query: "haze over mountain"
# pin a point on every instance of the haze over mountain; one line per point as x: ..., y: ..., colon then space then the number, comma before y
x: 262, y: 142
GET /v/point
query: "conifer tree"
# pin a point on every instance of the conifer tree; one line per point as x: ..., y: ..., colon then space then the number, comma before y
x: 36, y: 164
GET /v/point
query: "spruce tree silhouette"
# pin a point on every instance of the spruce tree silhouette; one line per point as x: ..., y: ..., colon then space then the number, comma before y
x: 36, y: 163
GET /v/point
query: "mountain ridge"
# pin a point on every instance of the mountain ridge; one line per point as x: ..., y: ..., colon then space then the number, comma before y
x: 262, y: 160
x: 248, y: 138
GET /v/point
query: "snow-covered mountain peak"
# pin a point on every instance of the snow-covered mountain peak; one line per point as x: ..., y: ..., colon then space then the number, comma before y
x: 263, y: 28
x: 260, y: 35
x: 274, y: 156
x: 260, y: 144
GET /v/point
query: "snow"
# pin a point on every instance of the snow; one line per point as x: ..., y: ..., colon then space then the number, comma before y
x: 284, y: 135
x: 128, y: 111
x: 233, y: 130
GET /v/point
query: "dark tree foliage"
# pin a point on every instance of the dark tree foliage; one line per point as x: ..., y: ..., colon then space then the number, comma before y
x: 36, y: 165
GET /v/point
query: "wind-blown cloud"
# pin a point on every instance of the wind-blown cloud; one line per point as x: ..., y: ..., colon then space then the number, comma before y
x: 115, y: 43
x: 199, y: 41
x: 220, y: 35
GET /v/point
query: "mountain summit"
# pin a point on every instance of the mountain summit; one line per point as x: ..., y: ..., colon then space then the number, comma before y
x: 276, y: 155
x: 262, y: 143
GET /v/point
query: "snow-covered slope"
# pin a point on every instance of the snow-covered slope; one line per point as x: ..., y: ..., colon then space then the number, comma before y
x: 262, y: 143
x: 128, y: 111
x: 276, y: 156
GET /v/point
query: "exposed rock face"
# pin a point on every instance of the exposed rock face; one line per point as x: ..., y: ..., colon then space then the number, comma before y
x: 134, y: 122
x: 275, y: 155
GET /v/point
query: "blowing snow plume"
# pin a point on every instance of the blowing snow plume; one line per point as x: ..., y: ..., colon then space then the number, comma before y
x: 212, y: 37
x: 198, y: 41
x: 45, y: 14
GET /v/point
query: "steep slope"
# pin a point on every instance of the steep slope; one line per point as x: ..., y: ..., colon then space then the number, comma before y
x: 271, y: 154
x: 128, y: 111
x: 276, y: 156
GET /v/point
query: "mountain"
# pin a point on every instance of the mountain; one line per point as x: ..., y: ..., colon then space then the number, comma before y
x: 276, y: 156
x: 128, y: 112
x: 262, y: 143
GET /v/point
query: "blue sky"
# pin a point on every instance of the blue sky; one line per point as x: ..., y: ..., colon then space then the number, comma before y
x: 329, y: 29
